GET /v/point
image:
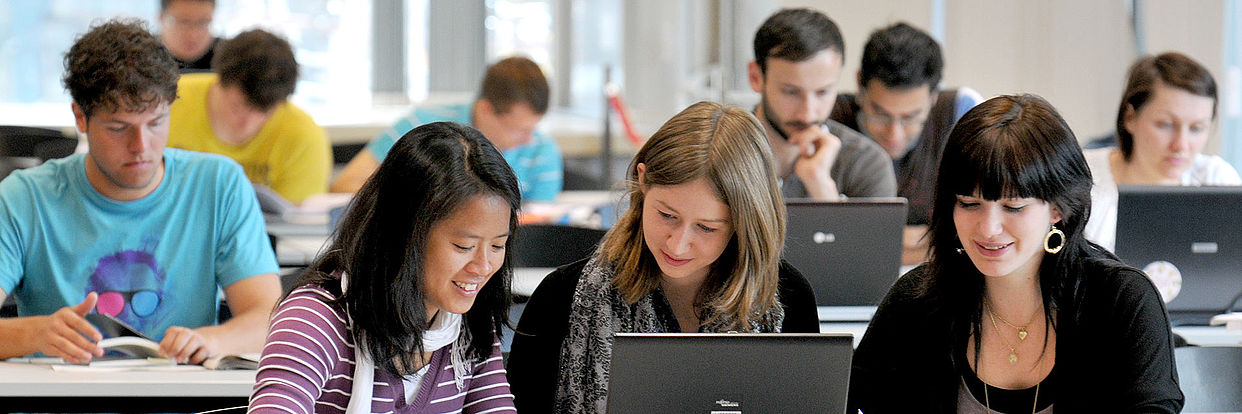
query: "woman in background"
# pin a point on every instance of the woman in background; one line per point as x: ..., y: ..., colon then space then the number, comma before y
x: 697, y: 251
x: 401, y: 314
x: 1016, y: 312
x: 1163, y: 122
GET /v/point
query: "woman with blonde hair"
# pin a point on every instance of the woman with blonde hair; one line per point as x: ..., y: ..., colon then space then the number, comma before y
x: 698, y: 250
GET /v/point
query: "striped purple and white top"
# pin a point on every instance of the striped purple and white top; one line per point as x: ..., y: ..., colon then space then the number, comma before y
x: 308, y: 366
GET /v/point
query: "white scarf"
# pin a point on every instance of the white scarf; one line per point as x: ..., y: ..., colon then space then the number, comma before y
x: 445, y: 330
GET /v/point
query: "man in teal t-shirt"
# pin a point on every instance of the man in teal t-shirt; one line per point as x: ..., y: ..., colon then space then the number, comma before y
x: 132, y: 230
x: 512, y: 100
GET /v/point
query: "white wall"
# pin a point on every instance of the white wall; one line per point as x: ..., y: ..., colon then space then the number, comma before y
x: 1073, y: 53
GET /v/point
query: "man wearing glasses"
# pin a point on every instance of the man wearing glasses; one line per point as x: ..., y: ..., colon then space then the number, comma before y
x: 900, y: 106
x: 185, y: 29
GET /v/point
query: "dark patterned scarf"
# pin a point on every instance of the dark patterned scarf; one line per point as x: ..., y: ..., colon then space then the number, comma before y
x: 597, y: 313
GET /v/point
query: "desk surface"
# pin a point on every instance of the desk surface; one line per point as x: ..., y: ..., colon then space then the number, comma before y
x: 37, y: 380
x: 1195, y: 335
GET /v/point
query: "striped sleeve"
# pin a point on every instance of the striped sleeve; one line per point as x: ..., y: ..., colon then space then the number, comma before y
x: 306, y: 343
x: 489, y: 387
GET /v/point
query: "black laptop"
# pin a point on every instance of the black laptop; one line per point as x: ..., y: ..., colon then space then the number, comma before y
x: 730, y: 373
x: 1189, y: 242
x: 850, y: 251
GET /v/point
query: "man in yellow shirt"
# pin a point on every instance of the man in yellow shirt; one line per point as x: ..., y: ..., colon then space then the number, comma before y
x: 242, y: 111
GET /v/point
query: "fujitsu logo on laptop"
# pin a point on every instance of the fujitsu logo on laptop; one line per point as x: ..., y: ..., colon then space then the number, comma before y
x: 726, y: 406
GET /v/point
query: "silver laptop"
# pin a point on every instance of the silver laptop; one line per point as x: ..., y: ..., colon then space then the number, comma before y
x: 729, y: 373
x: 1189, y: 242
x: 850, y: 251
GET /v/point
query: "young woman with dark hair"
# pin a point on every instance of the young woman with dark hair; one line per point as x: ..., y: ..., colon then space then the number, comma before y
x: 1016, y: 311
x: 402, y: 312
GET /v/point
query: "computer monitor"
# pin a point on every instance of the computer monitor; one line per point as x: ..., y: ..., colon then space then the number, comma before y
x: 1189, y: 242
x: 850, y: 250
x: 731, y: 373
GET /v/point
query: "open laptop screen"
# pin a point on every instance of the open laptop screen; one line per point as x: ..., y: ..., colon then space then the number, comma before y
x: 850, y: 251
x: 1189, y: 242
x: 729, y: 373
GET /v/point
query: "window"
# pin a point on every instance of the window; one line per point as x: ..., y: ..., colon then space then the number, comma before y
x: 331, y: 39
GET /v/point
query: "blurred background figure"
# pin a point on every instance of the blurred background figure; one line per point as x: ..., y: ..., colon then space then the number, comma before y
x: 1163, y: 122
x: 185, y: 29
x: 243, y: 111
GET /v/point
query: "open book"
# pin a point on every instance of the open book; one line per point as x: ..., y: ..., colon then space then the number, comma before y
x: 125, y: 346
x: 239, y: 361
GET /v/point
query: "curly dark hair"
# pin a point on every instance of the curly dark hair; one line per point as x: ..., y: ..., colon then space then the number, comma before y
x: 120, y: 65
x: 261, y: 64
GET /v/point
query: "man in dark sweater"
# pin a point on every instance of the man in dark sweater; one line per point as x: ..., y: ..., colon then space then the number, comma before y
x: 900, y: 105
x: 185, y: 29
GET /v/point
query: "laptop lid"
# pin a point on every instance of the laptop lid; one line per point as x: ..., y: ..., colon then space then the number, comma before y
x: 1189, y: 242
x: 850, y: 251
x: 729, y: 373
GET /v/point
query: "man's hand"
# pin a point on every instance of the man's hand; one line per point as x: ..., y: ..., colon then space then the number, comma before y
x: 188, y: 345
x: 818, y: 150
x: 66, y: 334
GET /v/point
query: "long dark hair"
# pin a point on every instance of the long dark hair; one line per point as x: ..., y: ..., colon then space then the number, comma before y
x: 1009, y: 146
x: 380, y: 243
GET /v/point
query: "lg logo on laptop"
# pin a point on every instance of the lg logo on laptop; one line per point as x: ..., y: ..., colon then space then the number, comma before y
x: 820, y: 237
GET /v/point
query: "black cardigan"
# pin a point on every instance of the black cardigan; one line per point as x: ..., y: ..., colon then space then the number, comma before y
x: 1116, y: 357
x: 535, y: 356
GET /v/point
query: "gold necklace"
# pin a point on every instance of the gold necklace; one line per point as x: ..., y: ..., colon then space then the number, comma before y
x: 1022, y: 330
x: 1013, y: 349
x: 988, y: 402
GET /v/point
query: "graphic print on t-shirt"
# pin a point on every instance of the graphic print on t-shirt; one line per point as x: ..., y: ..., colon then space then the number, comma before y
x: 130, y: 284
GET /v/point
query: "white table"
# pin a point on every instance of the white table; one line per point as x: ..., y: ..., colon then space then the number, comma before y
x: 36, y: 387
x: 1209, y: 335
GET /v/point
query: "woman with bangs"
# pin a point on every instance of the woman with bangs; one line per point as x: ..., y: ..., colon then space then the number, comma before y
x: 1016, y: 311
x: 698, y: 250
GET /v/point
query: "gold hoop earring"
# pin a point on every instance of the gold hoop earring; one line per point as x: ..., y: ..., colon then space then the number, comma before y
x: 1048, y: 239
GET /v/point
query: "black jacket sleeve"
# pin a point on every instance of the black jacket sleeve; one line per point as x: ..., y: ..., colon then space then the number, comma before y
x: 801, y: 315
x: 534, y: 359
x: 1124, y: 336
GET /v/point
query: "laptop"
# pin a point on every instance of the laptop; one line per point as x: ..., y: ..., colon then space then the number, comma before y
x: 850, y: 251
x: 729, y: 373
x: 1189, y: 242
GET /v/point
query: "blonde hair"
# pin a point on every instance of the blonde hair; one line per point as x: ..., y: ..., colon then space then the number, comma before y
x: 727, y: 147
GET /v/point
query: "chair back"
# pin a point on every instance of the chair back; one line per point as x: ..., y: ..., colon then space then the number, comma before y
x: 553, y: 245
x: 1211, y: 378
x: 25, y: 147
x: 41, y: 143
